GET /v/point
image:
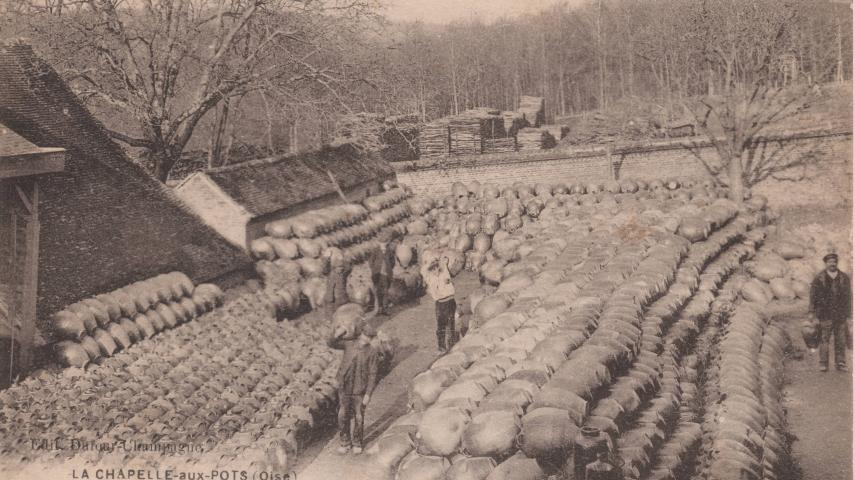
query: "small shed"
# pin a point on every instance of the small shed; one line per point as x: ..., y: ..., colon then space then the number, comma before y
x: 21, y: 165
x: 239, y: 200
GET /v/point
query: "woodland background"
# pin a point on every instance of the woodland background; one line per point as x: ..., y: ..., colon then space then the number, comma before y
x: 228, y: 80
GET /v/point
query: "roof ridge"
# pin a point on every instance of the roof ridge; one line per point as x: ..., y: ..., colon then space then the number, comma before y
x: 272, y: 160
x: 251, y: 163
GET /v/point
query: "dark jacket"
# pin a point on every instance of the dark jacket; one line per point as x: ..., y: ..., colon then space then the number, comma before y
x: 358, y: 373
x: 336, y: 289
x: 830, y: 298
x: 382, y: 263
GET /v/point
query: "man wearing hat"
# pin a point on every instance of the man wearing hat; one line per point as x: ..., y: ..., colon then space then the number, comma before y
x: 382, y: 263
x: 336, y: 282
x: 357, y: 378
x: 830, y: 303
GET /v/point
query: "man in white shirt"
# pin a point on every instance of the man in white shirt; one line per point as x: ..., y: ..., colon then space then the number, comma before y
x: 437, y: 277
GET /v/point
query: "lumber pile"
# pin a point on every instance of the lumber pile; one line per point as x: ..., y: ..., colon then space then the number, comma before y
x: 533, y: 109
x: 557, y: 131
x: 361, y: 129
x: 499, y: 145
x: 434, y: 140
x: 531, y: 139
x: 400, y: 137
x: 394, y: 137
x: 513, y: 122
x: 471, y: 128
x: 465, y: 134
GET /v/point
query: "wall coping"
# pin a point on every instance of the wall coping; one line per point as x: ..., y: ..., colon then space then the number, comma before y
x: 468, y: 161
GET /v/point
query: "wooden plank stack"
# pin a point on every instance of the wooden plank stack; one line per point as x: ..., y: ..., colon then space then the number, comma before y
x: 533, y: 109
x: 557, y: 131
x: 362, y: 129
x: 471, y: 128
x: 499, y: 145
x: 401, y: 141
x: 532, y: 139
x: 434, y: 140
x: 465, y: 136
x: 513, y: 122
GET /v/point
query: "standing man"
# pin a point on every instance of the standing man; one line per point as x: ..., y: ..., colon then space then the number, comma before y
x: 382, y: 264
x: 357, y: 378
x: 437, y: 277
x: 336, y: 282
x: 830, y: 303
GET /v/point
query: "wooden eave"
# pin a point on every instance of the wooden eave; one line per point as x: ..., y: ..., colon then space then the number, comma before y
x: 39, y: 162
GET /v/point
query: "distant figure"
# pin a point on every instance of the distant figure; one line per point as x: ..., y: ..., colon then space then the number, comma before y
x: 830, y: 303
x: 336, y: 283
x: 357, y: 378
x: 382, y: 264
x: 437, y: 277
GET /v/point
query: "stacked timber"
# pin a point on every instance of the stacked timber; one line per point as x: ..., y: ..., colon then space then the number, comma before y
x: 400, y: 137
x: 513, y: 122
x: 532, y: 139
x: 465, y: 135
x: 362, y: 129
x: 533, y: 109
x: 434, y: 140
x: 499, y: 145
x: 471, y: 128
x: 557, y: 131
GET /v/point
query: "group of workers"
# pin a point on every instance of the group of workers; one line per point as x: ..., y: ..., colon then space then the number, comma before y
x: 358, y: 373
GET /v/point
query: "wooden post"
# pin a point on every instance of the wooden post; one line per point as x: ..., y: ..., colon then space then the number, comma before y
x: 31, y: 266
x: 611, y: 171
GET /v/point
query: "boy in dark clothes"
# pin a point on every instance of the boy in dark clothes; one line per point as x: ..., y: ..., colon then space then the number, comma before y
x: 357, y: 378
x: 336, y: 283
x: 381, y: 262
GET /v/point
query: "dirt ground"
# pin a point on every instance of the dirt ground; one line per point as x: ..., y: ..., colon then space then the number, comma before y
x: 818, y: 407
x: 414, y: 327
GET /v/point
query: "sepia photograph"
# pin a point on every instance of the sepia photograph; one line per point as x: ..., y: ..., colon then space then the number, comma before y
x: 426, y: 239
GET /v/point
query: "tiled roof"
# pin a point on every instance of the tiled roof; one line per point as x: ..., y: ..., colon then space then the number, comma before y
x: 12, y: 144
x: 105, y: 221
x: 271, y: 184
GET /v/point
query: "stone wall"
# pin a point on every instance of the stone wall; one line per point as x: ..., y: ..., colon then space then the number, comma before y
x: 827, y: 155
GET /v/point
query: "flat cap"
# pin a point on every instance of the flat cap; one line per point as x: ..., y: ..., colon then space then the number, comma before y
x: 368, y: 330
x: 829, y: 256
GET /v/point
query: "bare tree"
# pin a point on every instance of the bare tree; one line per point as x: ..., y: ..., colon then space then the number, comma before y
x: 744, y: 39
x: 167, y: 63
x: 736, y: 124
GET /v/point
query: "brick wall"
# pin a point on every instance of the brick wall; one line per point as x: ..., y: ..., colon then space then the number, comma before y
x: 829, y: 170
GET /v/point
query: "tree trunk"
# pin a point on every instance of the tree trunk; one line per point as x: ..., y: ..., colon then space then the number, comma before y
x: 220, y: 124
x: 735, y: 176
x: 294, y: 133
x: 268, y: 134
x: 601, y: 56
x: 840, y: 77
x: 163, y: 160
x: 562, y: 96
x: 454, y: 81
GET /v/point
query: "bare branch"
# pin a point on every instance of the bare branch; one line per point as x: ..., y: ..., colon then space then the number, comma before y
x: 132, y: 141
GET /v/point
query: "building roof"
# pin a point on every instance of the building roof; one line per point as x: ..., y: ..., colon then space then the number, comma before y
x: 272, y: 184
x: 106, y: 222
x: 20, y: 157
x: 12, y: 144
